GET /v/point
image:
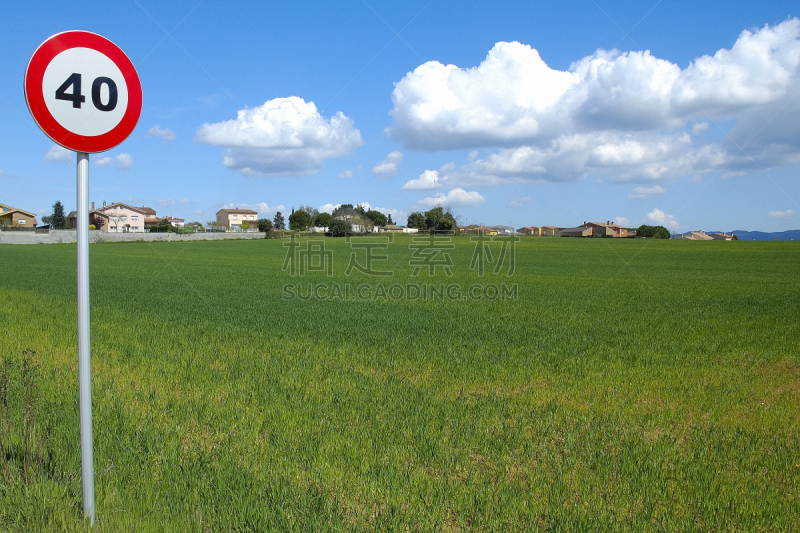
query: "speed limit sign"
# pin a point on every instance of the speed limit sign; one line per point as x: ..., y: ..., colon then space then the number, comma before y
x: 83, y: 91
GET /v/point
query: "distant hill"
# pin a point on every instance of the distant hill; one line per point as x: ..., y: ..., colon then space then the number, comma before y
x: 789, y: 235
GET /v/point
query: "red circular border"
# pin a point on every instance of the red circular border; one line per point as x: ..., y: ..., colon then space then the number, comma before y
x: 34, y: 97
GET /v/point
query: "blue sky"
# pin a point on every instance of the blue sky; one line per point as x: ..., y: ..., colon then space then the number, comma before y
x: 684, y: 114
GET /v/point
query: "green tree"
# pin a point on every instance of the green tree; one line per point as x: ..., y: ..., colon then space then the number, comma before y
x: 97, y: 221
x: 310, y: 210
x: 437, y: 219
x: 339, y: 227
x: 655, y: 232
x: 264, y: 225
x: 416, y: 220
x: 342, y: 208
x: 277, y: 221
x: 164, y: 226
x: 377, y: 218
x: 299, y: 220
x: 57, y: 219
x: 245, y: 226
x: 323, y: 220
x: 389, y: 220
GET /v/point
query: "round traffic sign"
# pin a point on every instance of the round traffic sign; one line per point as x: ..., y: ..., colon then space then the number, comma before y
x: 83, y: 91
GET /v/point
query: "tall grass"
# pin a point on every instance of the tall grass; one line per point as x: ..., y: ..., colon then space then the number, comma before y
x: 633, y: 385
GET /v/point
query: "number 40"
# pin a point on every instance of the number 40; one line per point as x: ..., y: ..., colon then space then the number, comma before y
x: 77, y: 98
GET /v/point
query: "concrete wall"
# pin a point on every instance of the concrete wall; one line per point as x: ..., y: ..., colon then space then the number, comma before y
x: 97, y: 236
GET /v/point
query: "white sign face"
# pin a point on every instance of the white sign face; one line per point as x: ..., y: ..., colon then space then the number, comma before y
x: 89, y: 102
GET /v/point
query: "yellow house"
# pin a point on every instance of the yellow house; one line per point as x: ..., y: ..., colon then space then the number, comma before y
x: 232, y: 219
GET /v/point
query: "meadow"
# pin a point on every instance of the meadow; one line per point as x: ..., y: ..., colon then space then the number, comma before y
x: 628, y: 385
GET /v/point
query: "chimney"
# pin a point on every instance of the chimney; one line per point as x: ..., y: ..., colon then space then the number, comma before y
x: 92, y: 206
x: 104, y: 203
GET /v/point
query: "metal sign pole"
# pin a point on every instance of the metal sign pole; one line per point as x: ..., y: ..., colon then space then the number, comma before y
x: 84, y: 346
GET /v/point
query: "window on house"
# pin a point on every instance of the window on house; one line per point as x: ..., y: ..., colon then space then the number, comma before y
x: 235, y: 217
x: 134, y: 218
x: 22, y: 222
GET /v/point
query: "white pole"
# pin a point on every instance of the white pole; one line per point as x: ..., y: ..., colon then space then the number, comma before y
x: 84, y: 346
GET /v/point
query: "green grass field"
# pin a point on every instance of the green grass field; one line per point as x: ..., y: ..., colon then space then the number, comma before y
x: 631, y: 385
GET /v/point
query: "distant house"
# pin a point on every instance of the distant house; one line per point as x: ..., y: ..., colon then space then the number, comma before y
x: 607, y: 229
x: 177, y: 222
x: 117, y: 217
x: 472, y: 228
x: 696, y: 236
x: 94, y: 215
x: 549, y: 231
x: 393, y: 228
x: 505, y: 230
x: 594, y: 229
x: 530, y: 231
x: 18, y: 218
x: 349, y: 214
x: 580, y: 231
x: 150, y: 217
x: 12, y: 216
x: 722, y: 237
x: 122, y: 218
x: 232, y: 219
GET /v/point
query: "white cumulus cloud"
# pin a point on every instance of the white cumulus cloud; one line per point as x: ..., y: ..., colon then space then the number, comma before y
x: 285, y: 136
x: 660, y: 218
x: 623, y: 221
x: 519, y: 202
x: 59, y: 153
x: 427, y: 180
x: 123, y: 161
x: 455, y: 198
x: 642, y: 193
x: 628, y: 116
x: 780, y: 214
x: 388, y: 167
x: 166, y: 202
x: 165, y: 134
x: 327, y: 208
x: 349, y: 173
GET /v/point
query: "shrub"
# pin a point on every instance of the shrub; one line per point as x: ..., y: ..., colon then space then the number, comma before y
x: 264, y: 225
x: 340, y: 228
